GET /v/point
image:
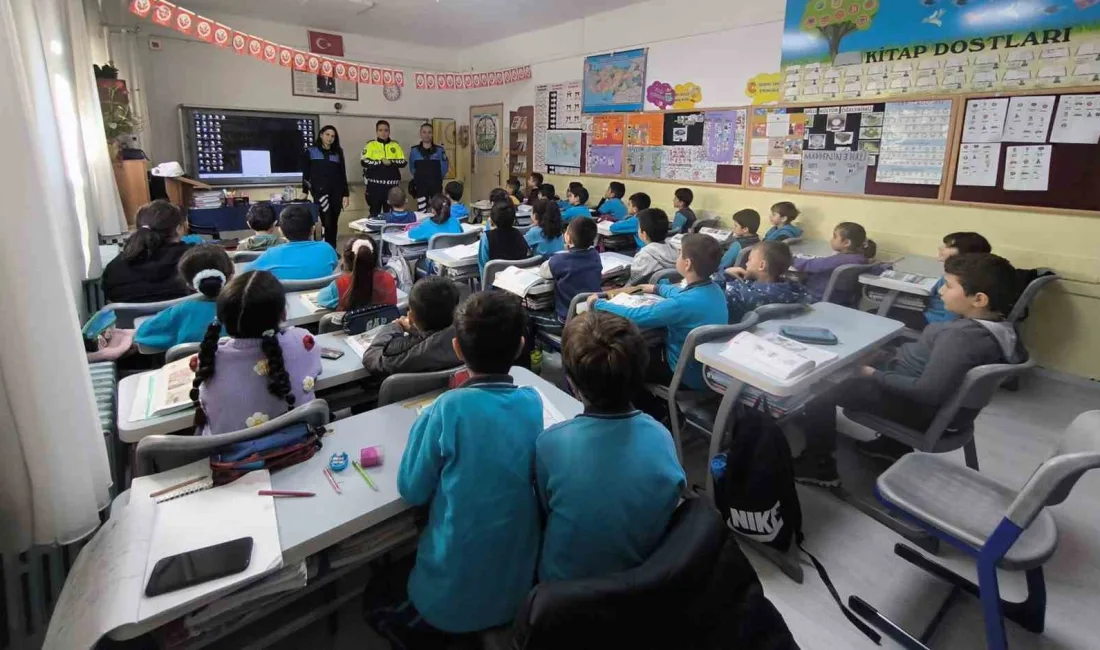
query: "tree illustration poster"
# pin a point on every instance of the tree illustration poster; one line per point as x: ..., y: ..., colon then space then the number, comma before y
x: 848, y: 49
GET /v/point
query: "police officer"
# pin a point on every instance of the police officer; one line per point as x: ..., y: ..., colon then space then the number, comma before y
x: 428, y: 164
x: 324, y: 177
x: 382, y: 162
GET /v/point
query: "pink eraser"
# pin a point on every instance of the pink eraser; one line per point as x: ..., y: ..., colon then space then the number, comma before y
x: 371, y: 456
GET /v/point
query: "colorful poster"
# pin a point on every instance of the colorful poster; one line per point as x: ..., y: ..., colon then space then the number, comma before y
x: 644, y: 162
x: 557, y: 106
x: 615, y: 83
x: 645, y: 129
x: 605, y: 160
x: 688, y: 163
x: 486, y: 134
x: 683, y: 129
x: 724, y: 136
x: 608, y: 129
x: 850, y: 49
x: 563, y: 149
x: 776, y: 146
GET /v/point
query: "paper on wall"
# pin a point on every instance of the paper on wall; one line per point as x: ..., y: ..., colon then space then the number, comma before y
x: 978, y: 165
x: 985, y: 120
x: 773, y: 178
x: 1027, y: 169
x: 1028, y: 118
x: 1077, y: 119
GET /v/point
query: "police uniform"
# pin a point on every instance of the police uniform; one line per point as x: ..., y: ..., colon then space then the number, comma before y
x: 379, y: 178
x: 324, y: 177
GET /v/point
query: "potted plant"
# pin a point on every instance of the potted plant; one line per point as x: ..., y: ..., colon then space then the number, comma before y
x: 118, y: 119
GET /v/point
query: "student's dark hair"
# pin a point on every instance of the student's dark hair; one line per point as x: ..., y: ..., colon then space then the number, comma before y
x: 396, y: 197
x: 787, y: 210
x: 582, y: 195
x: 499, y: 195
x: 605, y: 357
x: 574, y: 186
x: 654, y: 223
x: 703, y: 252
x: 489, y: 327
x: 202, y: 258
x: 261, y: 216
x: 747, y: 218
x: 537, y: 177
x: 777, y: 257
x: 618, y: 190
x: 986, y: 273
x: 685, y: 196
x: 513, y: 184
x: 454, y: 190
x: 503, y: 214
x: 335, y: 138
x: 380, y: 123
x: 549, y: 215
x: 157, y: 223
x: 433, y: 300
x: 967, y: 242
x: 296, y: 223
x: 441, y: 206
x: 583, y: 231
x: 857, y: 237
x: 361, y: 264
x: 547, y: 191
x: 251, y: 306
x: 641, y: 200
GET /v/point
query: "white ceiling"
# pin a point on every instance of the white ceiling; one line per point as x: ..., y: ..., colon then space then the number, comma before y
x: 444, y: 23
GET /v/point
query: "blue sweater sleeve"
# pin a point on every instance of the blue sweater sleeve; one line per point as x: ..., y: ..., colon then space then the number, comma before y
x: 422, y: 463
x: 159, y: 332
x: 662, y: 314
x: 731, y: 256
x: 414, y: 157
x: 625, y: 227
x: 423, y: 231
x: 329, y: 297
x: 483, y: 254
x: 677, y: 223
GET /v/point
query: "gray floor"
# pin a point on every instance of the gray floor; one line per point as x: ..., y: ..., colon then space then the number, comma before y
x: 1015, y: 433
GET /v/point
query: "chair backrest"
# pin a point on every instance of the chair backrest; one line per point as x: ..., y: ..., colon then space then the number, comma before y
x: 791, y: 241
x: 393, y: 227
x: 1030, y: 292
x: 978, y: 387
x: 161, y: 453
x: 405, y: 385
x: 127, y: 312
x: 448, y: 239
x: 331, y: 322
x: 779, y: 310
x: 672, y: 275
x: 844, y: 283
x: 290, y: 286
x: 239, y: 257
x: 706, y: 223
x: 1077, y: 453
x: 743, y: 257
x: 177, y: 352
x: 496, y: 266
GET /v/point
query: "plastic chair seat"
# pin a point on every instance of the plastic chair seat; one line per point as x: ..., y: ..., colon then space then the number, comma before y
x: 951, y: 439
x: 965, y: 505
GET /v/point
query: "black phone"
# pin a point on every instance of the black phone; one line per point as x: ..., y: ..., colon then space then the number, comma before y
x: 198, y: 566
x: 329, y: 353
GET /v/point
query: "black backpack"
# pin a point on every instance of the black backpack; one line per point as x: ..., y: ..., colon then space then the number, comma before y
x: 756, y: 495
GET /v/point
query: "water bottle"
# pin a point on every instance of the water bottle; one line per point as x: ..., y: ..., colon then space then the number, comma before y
x: 718, y: 467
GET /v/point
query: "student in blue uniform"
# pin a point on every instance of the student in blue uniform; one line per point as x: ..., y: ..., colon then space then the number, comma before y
x: 782, y: 214
x: 441, y: 222
x: 299, y: 258
x: 454, y: 191
x: 546, y: 234
x: 478, y: 553
x: 761, y: 282
x: 745, y: 225
x: 684, y: 221
x: 957, y: 243
x: 608, y: 479
x: 574, y: 187
x: 629, y: 226
x: 698, y: 301
x: 398, y: 213
x: 612, y: 205
x: 502, y: 241
x: 578, y: 204
x: 205, y: 268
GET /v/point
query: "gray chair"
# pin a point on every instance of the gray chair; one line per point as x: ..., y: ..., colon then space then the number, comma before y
x: 1030, y: 292
x: 777, y: 310
x: 791, y: 241
x: 552, y: 340
x: 706, y: 223
x: 177, y: 352
x: 332, y: 322
x: 844, y: 282
x: 291, y: 286
x: 997, y: 526
x: 127, y: 312
x: 672, y: 275
x: 240, y: 257
x: 743, y: 257
x: 447, y: 240
x: 496, y: 266
x: 402, y: 386
x: 164, y: 452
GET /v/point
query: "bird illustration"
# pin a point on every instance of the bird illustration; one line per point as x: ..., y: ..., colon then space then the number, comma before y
x: 936, y: 18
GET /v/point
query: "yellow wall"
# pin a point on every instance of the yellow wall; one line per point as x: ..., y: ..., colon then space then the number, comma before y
x: 1063, y: 330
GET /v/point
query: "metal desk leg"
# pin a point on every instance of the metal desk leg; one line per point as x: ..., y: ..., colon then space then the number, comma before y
x: 888, y: 301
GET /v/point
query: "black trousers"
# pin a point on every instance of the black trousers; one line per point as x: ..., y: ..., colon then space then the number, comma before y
x: 328, y: 209
x: 377, y: 194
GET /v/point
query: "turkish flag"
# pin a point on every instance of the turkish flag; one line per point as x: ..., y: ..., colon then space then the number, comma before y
x: 184, y: 22
x: 240, y: 42
x: 271, y: 52
x: 399, y: 78
x: 163, y: 13
x: 341, y: 70
x: 387, y: 77
x: 328, y: 68
x: 420, y: 81
x: 327, y: 44
x: 221, y: 35
x: 204, y: 29
x: 141, y: 8
x: 431, y: 82
x: 376, y: 76
x: 468, y: 80
x: 286, y: 56
x: 353, y: 72
x: 256, y: 47
x: 300, y: 60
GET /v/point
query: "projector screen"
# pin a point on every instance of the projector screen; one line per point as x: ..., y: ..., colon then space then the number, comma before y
x: 234, y: 147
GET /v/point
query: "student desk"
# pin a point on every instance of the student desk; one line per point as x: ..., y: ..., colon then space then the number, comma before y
x: 370, y: 226
x: 811, y: 248
x: 887, y: 290
x: 308, y: 526
x: 408, y: 249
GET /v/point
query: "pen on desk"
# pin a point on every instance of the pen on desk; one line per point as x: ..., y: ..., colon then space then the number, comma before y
x: 177, y: 486
x: 359, y: 468
x: 331, y: 479
x: 285, y: 493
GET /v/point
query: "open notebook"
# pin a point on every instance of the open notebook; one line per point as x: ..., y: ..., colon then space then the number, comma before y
x: 163, y: 391
x: 463, y: 251
x: 519, y: 281
x: 774, y: 355
x: 360, y: 342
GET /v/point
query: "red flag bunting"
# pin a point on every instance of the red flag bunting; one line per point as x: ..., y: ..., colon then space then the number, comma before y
x: 286, y: 56
x: 221, y: 35
x: 163, y: 13
x: 300, y: 60
x: 341, y: 70
x: 419, y: 80
x: 141, y: 8
x: 240, y: 42
x: 364, y: 74
x: 328, y: 68
x: 184, y: 22
x: 204, y: 29
x: 271, y: 52
x: 256, y: 47
x: 376, y: 76
x: 399, y: 78
x: 313, y: 63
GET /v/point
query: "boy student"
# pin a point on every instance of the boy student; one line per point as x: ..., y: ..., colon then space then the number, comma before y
x: 697, y: 301
x: 576, y: 270
x: 513, y: 190
x: 655, y: 254
x: 299, y: 258
x: 397, y: 199
x: 534, y: 182
x: 421, y: 341
x: 612, y: 205
x: 761, y: 281
x: 262, y: 220
x: 548, y: 192
x: 578, y: 204
x: 478, y: 553
x: 629, y: 226
x: 382, y: 161
x: 685, y: 216
x: 454, y: 191
x: 574, y: 187
x: 745, y: 224
x: 980, y: 288
x: 957, y: 243
x: 782, y: 214
x: 608, y: 479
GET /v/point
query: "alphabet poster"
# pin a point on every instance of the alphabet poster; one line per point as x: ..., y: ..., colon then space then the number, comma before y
x: 852, y: 49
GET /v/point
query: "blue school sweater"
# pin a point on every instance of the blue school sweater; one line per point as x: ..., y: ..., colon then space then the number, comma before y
x: 614, y: 208
x: 628, y: 226
x: 563, y: 205
x: 192, y: 240
x: 574, y: 271
x: 574, y: 211
x: 779, y: 233
x: 479, y: 551
x: 936, y: 311
x: 743, y: 296
x: 540, y: 245
x: 427, y: 228
x: 400, y: 216
x: 297, y: 260
x: 609, y: 484
x: 182, y: 323
x: 682, y: 220
x: 739, y: 244
x: 682, y: 310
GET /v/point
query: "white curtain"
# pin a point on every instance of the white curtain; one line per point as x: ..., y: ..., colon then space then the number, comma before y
x: 124, y: 46
x: 54, y: 474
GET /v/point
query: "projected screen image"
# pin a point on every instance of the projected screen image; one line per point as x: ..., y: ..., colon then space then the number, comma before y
x: 239, y: 147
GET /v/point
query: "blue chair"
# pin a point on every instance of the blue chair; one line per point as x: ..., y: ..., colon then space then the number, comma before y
x: 996, y: 525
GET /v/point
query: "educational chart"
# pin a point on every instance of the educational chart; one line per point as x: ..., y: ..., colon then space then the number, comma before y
x: 605, y: 159
x: 557, y: 107
x: 844, y: 128
x: 1027, y: 169
x: 914, y: 142
x: 724, y: 136
x: 1078, y: 119
x: 775, y: 155
x: 985, y: 120
x: 852, y: 49
x: 978, y: 165
x: 645, y: 129
x: 564, y: 150
x: 842, y: 172
x: 615, y: 83
x: 684, y: 129
x: 1028, y: 118
x: 687, y: 163
x: 606, y: 135
x: 644, y: 162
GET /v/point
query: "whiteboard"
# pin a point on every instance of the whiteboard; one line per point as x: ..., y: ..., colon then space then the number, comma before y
x: 356, y: 130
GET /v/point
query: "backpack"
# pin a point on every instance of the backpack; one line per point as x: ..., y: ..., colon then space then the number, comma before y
x: 755, y: 492
x: 289, y: 446
x: 364, y: 319
x: 399, y: 269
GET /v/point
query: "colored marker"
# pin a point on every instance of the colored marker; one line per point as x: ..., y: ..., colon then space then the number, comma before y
x: 359, y: 468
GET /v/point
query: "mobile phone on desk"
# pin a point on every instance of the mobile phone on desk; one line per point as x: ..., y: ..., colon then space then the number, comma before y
x: 812, y: 335
x: 196, y: 567
x: 330, y: 353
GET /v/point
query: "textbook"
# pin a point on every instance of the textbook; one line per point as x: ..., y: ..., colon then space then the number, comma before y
x: 631, y: 300
x: 360, y: 342
x: 463, y: 252
x: 164, y: 391
x: 310, y: 301
x: 612, y: 264
x: 774, y: 355
x: 518, y: 281
x: 721, y: 236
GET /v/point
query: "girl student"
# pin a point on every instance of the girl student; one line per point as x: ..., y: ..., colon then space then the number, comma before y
x: 260, y: 371
x: 206, y: 269
x: 362, y: 283
x: 852, y: 247
x: 146, y: 269
x: 502, y: 241
x: 440, y: 222
x: 545, y: 236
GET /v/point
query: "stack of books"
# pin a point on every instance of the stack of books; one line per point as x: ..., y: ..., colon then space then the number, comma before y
x: 776, y: 356
x: 537, y: 293
x: 208, y: 199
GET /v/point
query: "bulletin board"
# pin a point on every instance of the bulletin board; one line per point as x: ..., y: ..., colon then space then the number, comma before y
x: 1035, y: 150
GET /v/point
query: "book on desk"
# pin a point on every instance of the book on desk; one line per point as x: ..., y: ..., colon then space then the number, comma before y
x: 776, y: 356
x: 537, y: 292
x: 163, y: 391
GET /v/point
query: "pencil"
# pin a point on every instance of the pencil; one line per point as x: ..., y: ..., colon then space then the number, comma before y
x: 331, y: 479
x: 359, y: 468
x: 285, y: 493
x: 176, y: 487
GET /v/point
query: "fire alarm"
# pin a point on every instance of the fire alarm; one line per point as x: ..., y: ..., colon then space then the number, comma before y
x: 155, y: 44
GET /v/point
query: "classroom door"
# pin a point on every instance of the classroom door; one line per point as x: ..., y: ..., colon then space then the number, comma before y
x: 486, y: 138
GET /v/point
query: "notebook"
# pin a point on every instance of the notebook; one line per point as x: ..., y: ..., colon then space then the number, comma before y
x: 163, y: 391
x: 463, y: 251
x: 147, y: 486
x: 516, y: 280
x: 774, y: 355
x: 310, y: 301
x: 360, y: 342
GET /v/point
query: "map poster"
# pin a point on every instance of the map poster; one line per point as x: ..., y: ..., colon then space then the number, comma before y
x: 853, y: 49
x: 564, y: 150
x: 615, y: 83
x: 557, y: 106
x: 646, y: 129
x: 724, y: 136
x: 644, y: 162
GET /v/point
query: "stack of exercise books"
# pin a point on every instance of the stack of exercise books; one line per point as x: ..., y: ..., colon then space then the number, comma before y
x: 537, y: 292
x: 208, y: 199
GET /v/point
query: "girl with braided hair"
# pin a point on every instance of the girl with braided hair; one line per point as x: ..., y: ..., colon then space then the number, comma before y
x: 260, y: 371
